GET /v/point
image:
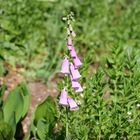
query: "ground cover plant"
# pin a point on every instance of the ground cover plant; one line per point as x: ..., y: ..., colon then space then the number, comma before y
x: 35, y: 32
x: 34, y: 40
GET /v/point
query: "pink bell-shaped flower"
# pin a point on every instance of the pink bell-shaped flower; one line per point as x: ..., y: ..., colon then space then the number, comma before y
x: 69, y: 47
x: 72, y: 104
x: 65, y: 66
x: 73, y: 53
x: 63, y: 98
x: 74, y: 72
x: 79, y: 89
x: 77, y: 62
x: 75, y: 83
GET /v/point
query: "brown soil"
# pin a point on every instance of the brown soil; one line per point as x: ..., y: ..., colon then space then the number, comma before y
x: 39, y: 92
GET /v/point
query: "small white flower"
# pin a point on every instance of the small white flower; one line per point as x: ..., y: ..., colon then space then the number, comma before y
x: 129, y: 113
x: 138, y: 105
x: 130, y: 120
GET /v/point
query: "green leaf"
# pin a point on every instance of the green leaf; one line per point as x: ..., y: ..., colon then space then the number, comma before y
x: 12, y: 122
x: 42, y: 129
x: 1, y: 114
x: 26, y: 98
x: 6, y: 132
x: 2, y: 90
x: 46, y: 110
x: 2, y: 70
x: 112, y: 136
x: 44, y: 119
x: 13, y: 103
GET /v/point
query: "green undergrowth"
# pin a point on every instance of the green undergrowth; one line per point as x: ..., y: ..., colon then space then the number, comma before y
x: 109, y: 107
x: 32, y: 36
x: 32, y: 32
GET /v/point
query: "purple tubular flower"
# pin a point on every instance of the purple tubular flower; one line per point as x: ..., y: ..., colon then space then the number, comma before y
x: 74, y: 72
x: 72, y: 104
x: 73, y: 53
x: 79, y: 89
x: 63, y: 98
x: 75, y: 83
x: 77, y: 62
x: 65, y: 66
x: 69, y: 47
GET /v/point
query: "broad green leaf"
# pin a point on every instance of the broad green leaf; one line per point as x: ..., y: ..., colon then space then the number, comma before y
x: 26, y: 98
x: 44, y: 119
x: 6, y: 132
x: 13, y: 103
x: 46, y: 110
x: 12, y: 122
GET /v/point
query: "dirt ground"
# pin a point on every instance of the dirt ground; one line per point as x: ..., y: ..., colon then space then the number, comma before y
x: 39, y: 92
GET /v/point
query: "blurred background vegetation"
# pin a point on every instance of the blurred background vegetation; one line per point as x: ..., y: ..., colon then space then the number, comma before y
x: 33, y: 35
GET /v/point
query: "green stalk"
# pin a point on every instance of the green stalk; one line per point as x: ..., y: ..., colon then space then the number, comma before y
x: 67, y: 127
x: 66, y: 111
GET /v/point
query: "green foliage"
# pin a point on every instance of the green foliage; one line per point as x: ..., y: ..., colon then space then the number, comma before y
x: 109, y: 108
x: 12, y: 110
x: 2, y: 90
x: 20, y: 105
x: 6, y: 132
x: 2, y: 70
x: 33, y: 33
x: 44, y: 119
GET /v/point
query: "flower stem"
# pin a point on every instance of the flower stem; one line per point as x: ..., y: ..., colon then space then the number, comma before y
x: 67, y: 128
